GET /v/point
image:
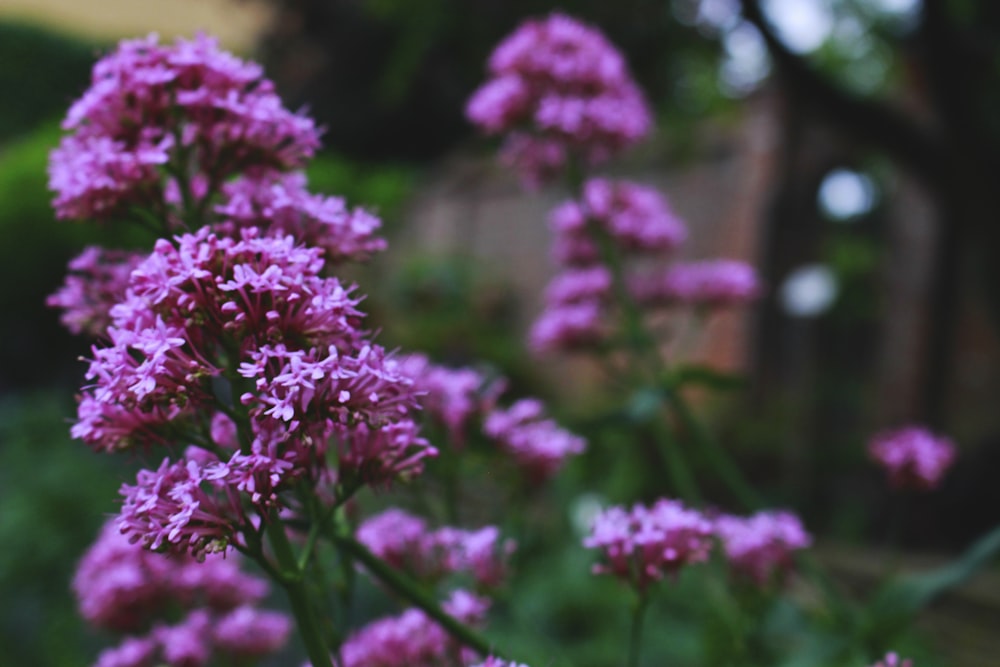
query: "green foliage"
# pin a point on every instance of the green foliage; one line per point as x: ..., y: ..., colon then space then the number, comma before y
x: 34, y: 250
x: 40, y: 72
x: 444, y: 307
x: 393, y: 76
x: 55, y: 495
x: 382, y: 188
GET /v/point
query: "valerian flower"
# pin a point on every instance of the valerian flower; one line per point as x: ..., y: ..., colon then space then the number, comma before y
x: 560, y: 92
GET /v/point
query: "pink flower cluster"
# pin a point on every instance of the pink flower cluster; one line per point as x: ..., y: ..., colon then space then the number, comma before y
x: 537, y: 444
x: 561, y: 92
x: 893, y: 660
x: 156, y: 112
x: 454, y: 397
x: 281, y: 204
x: 632, y: 218
x: 192, y: 136
x: 614, y: 221
x: 451, y: 396
x: 718, y: 282
x: 497, y: 662
x: 96, y: 282
x: 412, y: 639
x: 761, y: 545
x: 643, y: 544
x: 913, y: 457
x: 404, y: 541
x: 255, y: 313
x: 636, y: 218
x: 125, y: 589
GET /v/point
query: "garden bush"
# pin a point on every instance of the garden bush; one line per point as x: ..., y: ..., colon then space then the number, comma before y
x: 411, y: 511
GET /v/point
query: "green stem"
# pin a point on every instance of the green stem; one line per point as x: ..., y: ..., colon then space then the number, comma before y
x: 719, y: 595
x: 452, y: 483
x: 644, y: 357
x: 298, y: 594
x: 145, y: 219
x: 406, y: 588
x: 716, y: 455
x: 319, y: 519
x: 635, y: 632
x: 681, y: 477
x: 645, y: 362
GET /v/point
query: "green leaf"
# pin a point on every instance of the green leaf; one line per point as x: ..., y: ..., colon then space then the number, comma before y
x: 705, y: 376
x: 899, y: 600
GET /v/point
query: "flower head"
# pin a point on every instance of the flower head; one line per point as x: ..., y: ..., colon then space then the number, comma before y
x: 561, y: 91
x: 412, y: 639
x: 149, y: 103
x: 537, y: 444
x: 497, y: 662
x: 451, y: 396
x: 378, y: 456
x: 636, y: 218
x: 892, y: 659
x: 762, y: 544
x: 579, y: 285
x: 406, y: 542
x: 96, y: 282
x: 913, y: 457
x: 708, y: 283
x: 182, y: 507
x: 250, y: 632
x: 643, y: 544
x: 122, y: 587
x: 281, y: 205
x: 569, y: 327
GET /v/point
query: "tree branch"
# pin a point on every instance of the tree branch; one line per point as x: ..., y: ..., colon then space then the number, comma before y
x: 869, y: 121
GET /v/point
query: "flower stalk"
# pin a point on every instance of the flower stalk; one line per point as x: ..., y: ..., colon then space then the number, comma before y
x: 291, y: 579
x: 408, y: 590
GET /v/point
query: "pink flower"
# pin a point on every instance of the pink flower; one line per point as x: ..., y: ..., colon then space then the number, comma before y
x: 569, y: 327
x: 576, y: 314
x: 642, y: 545
x: 187, y: 643
x: 452, y: 396
x: 497, y: 662
x: 412, y: 639
x: 180, y: 507
x: 538, y: 445
x: 96, y: 282
x: 561, y: 91
x: 250, y: 632
x: 893, y: 660
x: 133, y: 652
x: 279, y: 204
x: 223, y: 432
x: 296, y: 333
x: 913, y: 456
x: 592, y: 283
x: 396, y: 537
x: 379, y: 456
x: 101, y: 177
x: 147, y: 103
x: 122, y: 587
x: 636, y: 218
x: 405, y: 541
x: 708, y: 283
x: 762, y: 544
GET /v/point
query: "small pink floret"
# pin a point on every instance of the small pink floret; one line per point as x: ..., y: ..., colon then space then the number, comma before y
x: 913, y: 457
